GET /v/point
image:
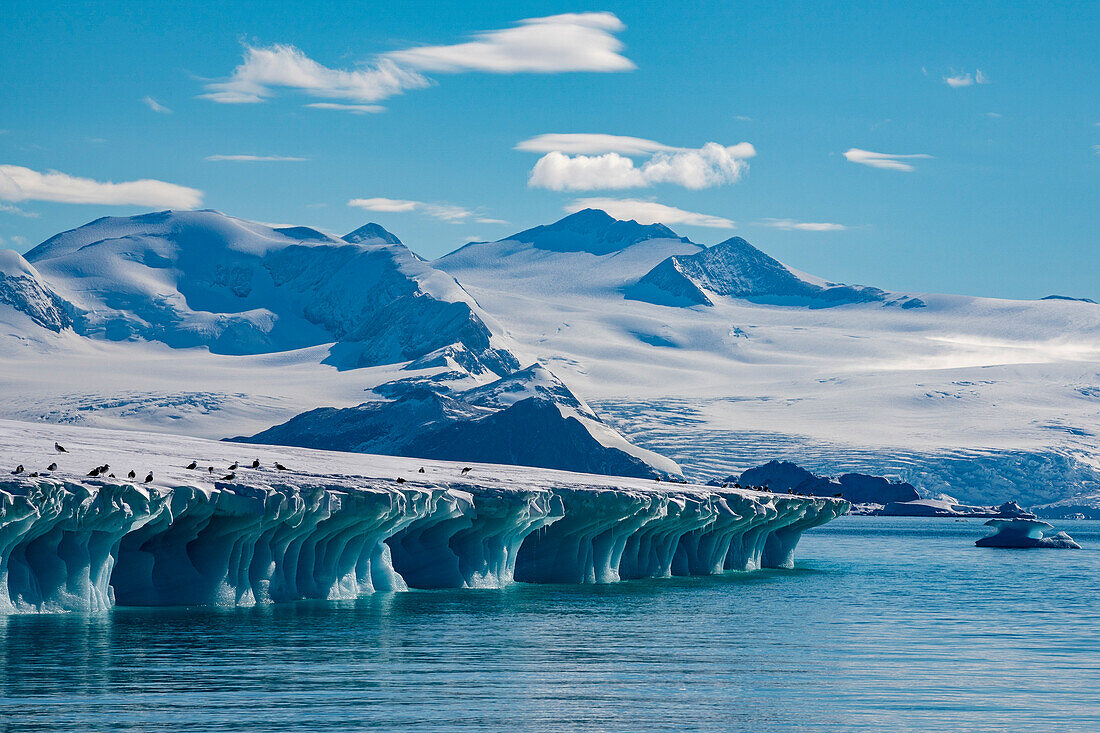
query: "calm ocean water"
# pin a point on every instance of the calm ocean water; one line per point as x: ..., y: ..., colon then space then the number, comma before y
x: 885, y: 625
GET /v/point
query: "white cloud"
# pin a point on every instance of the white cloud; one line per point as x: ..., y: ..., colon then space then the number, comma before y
x: 802, y: 226
x: 886, y: 161
x: 381, y: 204
x: 649, y: 212
x: 255, y: 158
x: 9, y: 209
x: 957, y: 80
x: 23, y: 184
x: 155, y: 105
x: 486, y: 220
x: 1096, y: 149
x: 994, y: 115
x: 743, y: 118
x: 15, y: 241
x: 585, y: 162
x: 582, y: 143
x: 558, y: 43
x: 355, y: 109
x: 280, y: 65
x: 437, y: 210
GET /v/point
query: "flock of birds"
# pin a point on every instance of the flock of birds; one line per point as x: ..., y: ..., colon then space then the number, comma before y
x: 104, y: 471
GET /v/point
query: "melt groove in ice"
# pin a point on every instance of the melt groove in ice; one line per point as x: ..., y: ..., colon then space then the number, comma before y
x: 89, y: 545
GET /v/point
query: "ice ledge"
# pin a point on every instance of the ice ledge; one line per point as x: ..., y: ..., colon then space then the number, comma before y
x: 86, y: 544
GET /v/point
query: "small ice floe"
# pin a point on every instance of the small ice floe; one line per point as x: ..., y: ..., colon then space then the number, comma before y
x: 1025, y: 533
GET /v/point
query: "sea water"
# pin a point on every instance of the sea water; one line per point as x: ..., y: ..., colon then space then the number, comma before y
x: 884, y: 625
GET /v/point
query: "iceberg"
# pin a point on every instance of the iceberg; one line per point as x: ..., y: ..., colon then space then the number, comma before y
x: 1025, y: 533
x: 341, y: 526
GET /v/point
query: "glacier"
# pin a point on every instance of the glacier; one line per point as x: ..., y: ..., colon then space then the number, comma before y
x: 340, y: 526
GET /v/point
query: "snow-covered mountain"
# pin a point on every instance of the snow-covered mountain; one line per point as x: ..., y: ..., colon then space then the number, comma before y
x: 236, y: 287
x: 528, y: 418
x: 737, y: 269
x: 720, y: 358
x: 723, y: 358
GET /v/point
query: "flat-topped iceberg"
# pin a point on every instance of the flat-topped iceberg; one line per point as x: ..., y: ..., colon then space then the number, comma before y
x: 324, y: 525
x: 1025, y: 533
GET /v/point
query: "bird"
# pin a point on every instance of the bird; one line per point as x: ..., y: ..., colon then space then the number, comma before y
x: 229, y: 477
x: 51, y: 467
x: 132, y: 474
x: 59, y: 448
x: 466, y: 470
x: 400, y: 480
x: 110, y: 475
x: 149, y: 478
x: 657, y: 479
x: 33, y: 474
x: 281, y: 467
x: 18, y: 469
x: 421, y: 470
x: 233, y: 467
x: 256, y: 463
x: 210, y: 469
x: 737, y: 486
x: 94, y: 472
x: 192, y: 466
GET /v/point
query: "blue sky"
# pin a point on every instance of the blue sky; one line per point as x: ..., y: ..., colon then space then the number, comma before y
x: 763, y: 120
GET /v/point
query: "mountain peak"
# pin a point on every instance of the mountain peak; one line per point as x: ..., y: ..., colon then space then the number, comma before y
x: 371, y: 232
x: 593, y: 231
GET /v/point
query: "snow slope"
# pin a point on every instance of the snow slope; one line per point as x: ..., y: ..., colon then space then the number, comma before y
x: 985, y: 399
x: 200, y: 278
x: 528, y: 418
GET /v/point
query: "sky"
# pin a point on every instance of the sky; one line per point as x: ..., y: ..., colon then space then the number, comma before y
x: 921, y: 147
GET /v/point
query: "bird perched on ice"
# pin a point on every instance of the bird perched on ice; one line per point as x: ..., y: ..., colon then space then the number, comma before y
x: 51, y: 467
x: 466, y: 470
x: 192, y: 465
x: 18, y: 469
x: 149, y: 478
x: 59, y: 448
x: 94, y: 472
x: 421, y: 470
x: 281, y: 467
x: 256, y: 463
x: 400, y: 480
x: 234, y: 466
x: 229, y: 477
x: 132, y: 474
x: 210, y: 469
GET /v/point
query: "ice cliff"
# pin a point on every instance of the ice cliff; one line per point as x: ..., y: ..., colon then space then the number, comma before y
x: 336, y: 526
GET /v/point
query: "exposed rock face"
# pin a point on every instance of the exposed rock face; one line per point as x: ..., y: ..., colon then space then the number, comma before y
x: 858, y: 488
x: 528, y: 418
x: 22, y: 289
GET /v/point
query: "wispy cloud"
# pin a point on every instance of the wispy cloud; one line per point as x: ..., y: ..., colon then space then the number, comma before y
x: 155, y: 105
x: 355, y: 109
x: 10, y: 209
x: 15, y: 241
x: 994, y: 115
x: 554, y: 44
x: 23, y: 184
x: 590, y: 161
x: 957, y: 80
x: 436, y: 209
x: 486, y: 220
x: 886, y: 161
x: 791, y: 225
x: 649, y: 212
x: 255, y: 158
x: 743, y: 118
